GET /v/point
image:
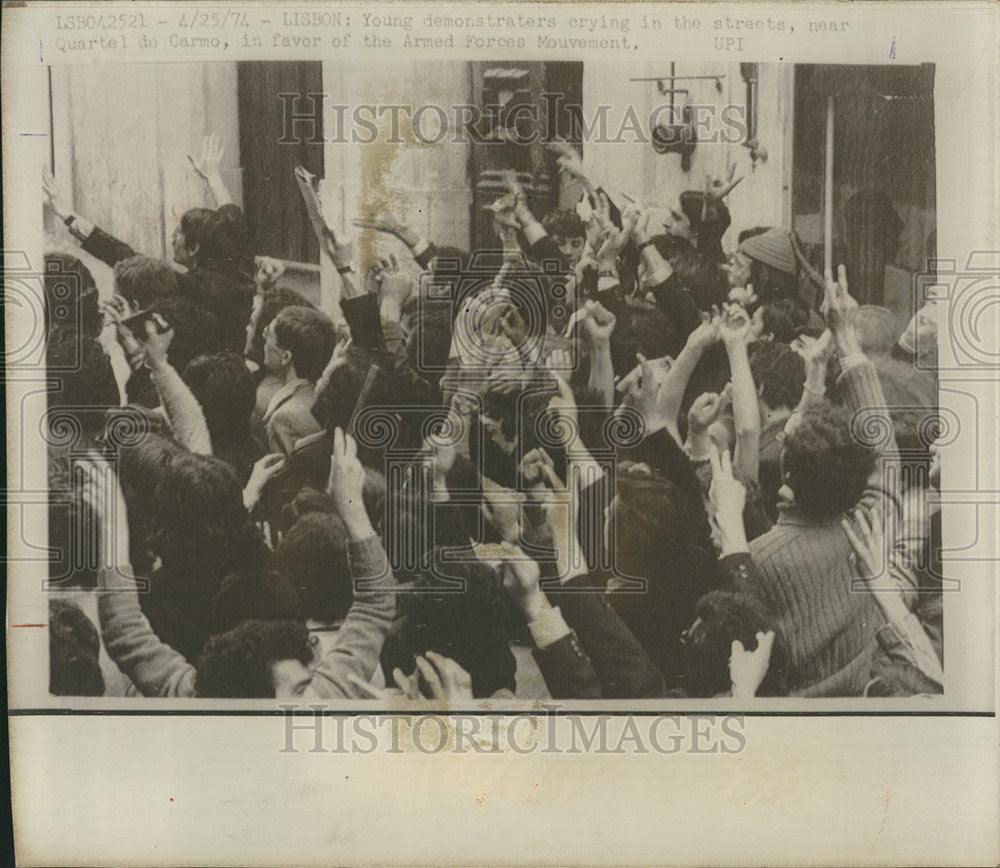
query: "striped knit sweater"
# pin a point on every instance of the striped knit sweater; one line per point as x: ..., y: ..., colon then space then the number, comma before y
x: 807, y: 578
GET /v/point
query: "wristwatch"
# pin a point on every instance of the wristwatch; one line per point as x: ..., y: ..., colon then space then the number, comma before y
x: 345, y: 269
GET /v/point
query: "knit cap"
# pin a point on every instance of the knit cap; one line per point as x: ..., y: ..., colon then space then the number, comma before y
x: 773, y: 248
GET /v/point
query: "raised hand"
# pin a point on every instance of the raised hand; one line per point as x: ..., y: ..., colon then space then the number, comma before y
x: 209, y: 163
x: 521, y: 577
x: 747, y: 669
x: 613, y: 240
x: 814, y: 350
x: 437, y: 682
x: 839, y: 308
x: 726, y: 493
x: 347, y: 476
x: 718, y: 188
x: 263, y: 472
x: 743, y: 295
x: 704, y: 411
x: 734, y: 326
x: 871, y: 547
x: 501, y: 507
x: 340, y: 248
x: 598, y: 323
x: 385, y: 222
x: 338, y: 358
x: 156, y: 343
x: 56, y: 196
x: 269, y: 270
x: 708, y: 330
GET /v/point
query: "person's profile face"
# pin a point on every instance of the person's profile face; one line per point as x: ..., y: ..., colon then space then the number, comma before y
x: 291, y: 679
x: 676, y: 223
x: 274, y: 355
x: 182, y: 253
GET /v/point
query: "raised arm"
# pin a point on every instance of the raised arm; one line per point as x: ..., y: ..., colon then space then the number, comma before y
x: 94, y: 240
x: 187, y: 421
x: 208, y: 168
x: 735, y: 329
x: 358, y: 643
x: 154, y: 668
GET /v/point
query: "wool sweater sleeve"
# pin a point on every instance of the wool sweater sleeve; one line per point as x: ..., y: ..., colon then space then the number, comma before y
x: 155, y: 668
x: 358, y: 643
x: 187, y: 421
x: 870, y: 421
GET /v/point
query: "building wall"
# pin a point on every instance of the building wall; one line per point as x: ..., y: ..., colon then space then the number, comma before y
x: 120, y: 143
x: 763, y: 197
x: 426, y: 185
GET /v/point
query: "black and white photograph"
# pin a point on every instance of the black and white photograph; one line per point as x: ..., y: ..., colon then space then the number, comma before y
x: 476, y: 417
x: 456, y: 381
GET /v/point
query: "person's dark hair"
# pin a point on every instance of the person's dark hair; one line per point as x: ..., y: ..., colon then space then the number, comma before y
x: 770, y: 283
x: 201, y: 525
x: 237, y: 664
x: 224, y: 245
x: 644, y: 329
x: 703, y: 278
x: 87, y: 384
x: 564, y: 222
x: 309, y: 335
x: 312, y: 556
x: 709, y: 222
x: 823, y: 463
x: 785, y: 318
x: 141, y: 468
x: 778, y: 372
x: 225, y: 388
x: 74, y: 648
x: 726, y: 616
x: 143, y: 280
x: 672, y: 246
x: 71, y: 298
x: 195, y: 224
x: 197, y: 331
x: 877, y: 330
x: 255, y: 594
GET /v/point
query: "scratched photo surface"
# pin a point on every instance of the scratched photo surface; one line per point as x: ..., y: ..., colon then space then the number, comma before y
x: 426, y: 383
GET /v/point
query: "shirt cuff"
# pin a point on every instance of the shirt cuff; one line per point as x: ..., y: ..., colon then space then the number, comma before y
x: 852, y: 360
x: 420, y: 247
x: 548, y: 628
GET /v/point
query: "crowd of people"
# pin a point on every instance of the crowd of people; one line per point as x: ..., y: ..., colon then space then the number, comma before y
x: 615, y: 462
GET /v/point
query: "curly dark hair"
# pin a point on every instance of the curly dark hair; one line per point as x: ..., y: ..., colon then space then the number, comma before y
x: 824, y: 464
x: 312, y: 556
x: 197, y: 331
x: 779, y: 372
x: 785, y: 318
x: 224, y: 387
x: 237, y: 664
x: 73, y: 652
x: 703, y: 277
x: 254, y: 595
x: 727, y: 615
x: 564, y: 222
